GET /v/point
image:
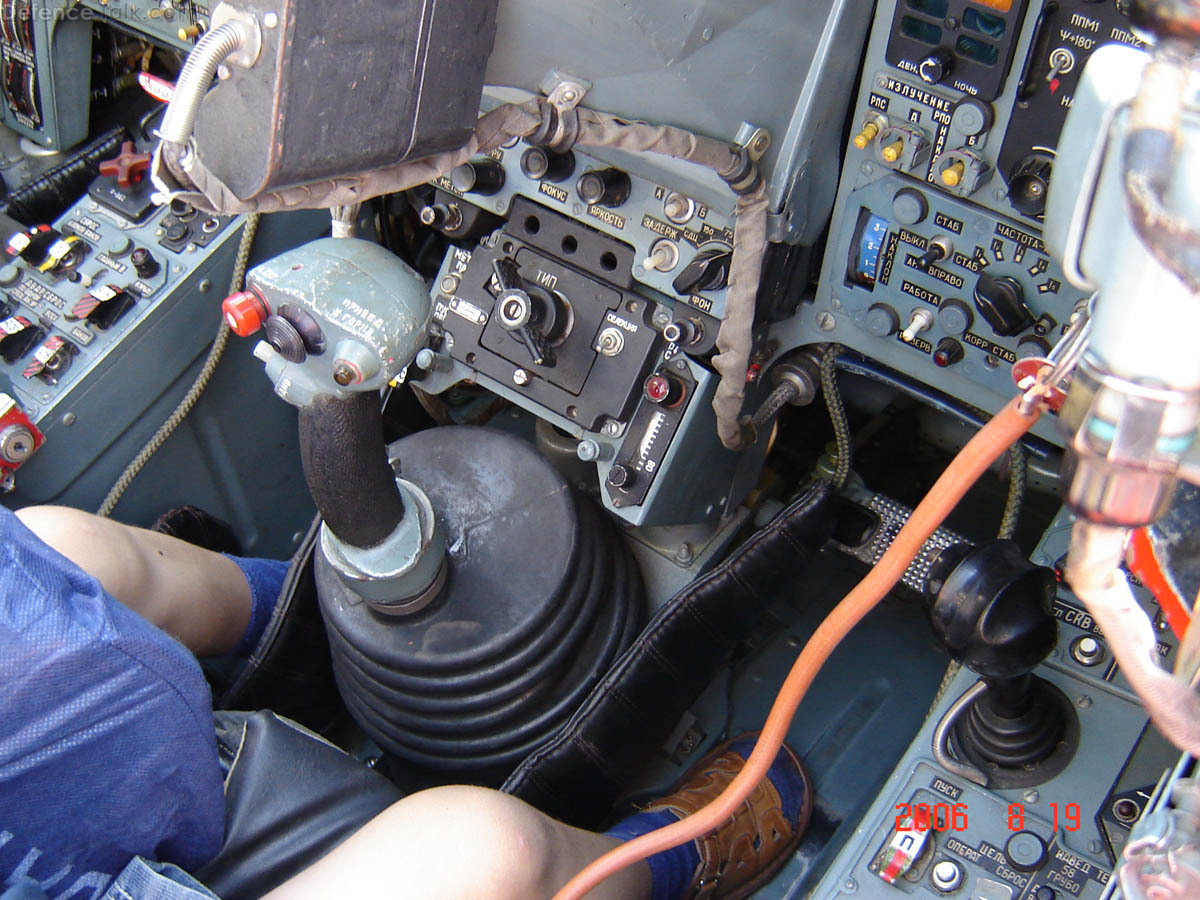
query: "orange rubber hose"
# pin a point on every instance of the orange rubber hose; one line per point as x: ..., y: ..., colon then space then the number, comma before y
x: 972, y: 461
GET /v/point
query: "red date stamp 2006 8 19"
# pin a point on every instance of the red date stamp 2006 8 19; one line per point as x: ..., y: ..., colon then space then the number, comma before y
x: 922, y: 817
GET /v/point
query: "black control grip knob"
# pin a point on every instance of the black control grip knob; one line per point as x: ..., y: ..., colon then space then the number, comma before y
x: 144, y: 263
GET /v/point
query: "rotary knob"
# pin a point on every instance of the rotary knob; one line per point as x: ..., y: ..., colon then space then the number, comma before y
x: 144, y: 263
x: 1028, y: 184
x: 540, y: 164
x: 128, y: 166
x: 935, y: 68
x: 482, y: 176
x: 882, y: 321
x: 621, y: 477
x: 527, y: 316
x: 708, y: 270
x: 948, y: 352
x: 605, y: 187
x: 1001, y: 301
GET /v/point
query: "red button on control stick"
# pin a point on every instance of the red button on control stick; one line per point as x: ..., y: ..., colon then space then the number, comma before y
x: 129, y: 166
x: 245, y: 312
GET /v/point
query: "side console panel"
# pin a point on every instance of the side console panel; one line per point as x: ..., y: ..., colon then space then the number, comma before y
x: 45, y: 70
x: 107, y: 313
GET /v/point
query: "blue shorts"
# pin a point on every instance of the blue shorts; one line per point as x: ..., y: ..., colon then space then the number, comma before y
x: 140, y: 880
x: 108, y: 753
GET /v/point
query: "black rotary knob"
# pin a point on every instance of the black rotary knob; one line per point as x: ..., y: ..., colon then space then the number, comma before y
x: 935, y: 68
x: 144, y: 263
x: 1000, y: 299
x: 620, y: 476
x: 947, y: 353
x: 1028, y: 184
x: 708, y: 271
x: 479, y: 176
x: 604, y: 187
x: 182, y: 210
x: 540, y: 164
x: 176, y: 232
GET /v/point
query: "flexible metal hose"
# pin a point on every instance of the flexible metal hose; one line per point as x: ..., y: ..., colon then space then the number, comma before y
x: 1017, y: 473
x: 1148, y: 162
x: 121, y: 485
x: 197, y: 74
x: 837, y: 415
x: 981, y: 451
x: 774, y: 404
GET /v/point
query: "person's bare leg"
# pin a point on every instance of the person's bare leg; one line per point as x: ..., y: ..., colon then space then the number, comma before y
x: 200, y: 597
x: 461, y: 843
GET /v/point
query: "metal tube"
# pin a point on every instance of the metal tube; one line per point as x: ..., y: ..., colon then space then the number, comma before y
x: 941, y: 738
x: 210, y: 51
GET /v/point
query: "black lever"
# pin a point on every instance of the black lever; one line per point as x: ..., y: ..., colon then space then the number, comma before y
x: 517, y: 312
x: 709, y: 271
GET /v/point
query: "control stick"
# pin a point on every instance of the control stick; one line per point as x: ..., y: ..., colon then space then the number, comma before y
x: 342, y: 317
x: 991, y: 608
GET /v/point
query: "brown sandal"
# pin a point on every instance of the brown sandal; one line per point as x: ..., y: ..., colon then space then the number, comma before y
x: 749, y: 850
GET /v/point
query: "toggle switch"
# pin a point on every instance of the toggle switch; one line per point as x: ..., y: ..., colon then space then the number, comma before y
x: 939, y: 248
x: 921, y: 320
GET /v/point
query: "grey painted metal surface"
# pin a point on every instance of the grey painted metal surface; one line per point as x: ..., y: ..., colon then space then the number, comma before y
x: 707, y: 65
x: 639, y: 222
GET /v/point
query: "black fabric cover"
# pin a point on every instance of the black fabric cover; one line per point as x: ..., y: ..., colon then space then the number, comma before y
x: 346, y: 466
x: 289, y: 670
x: 579, y: 775
x: 290, y: 798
